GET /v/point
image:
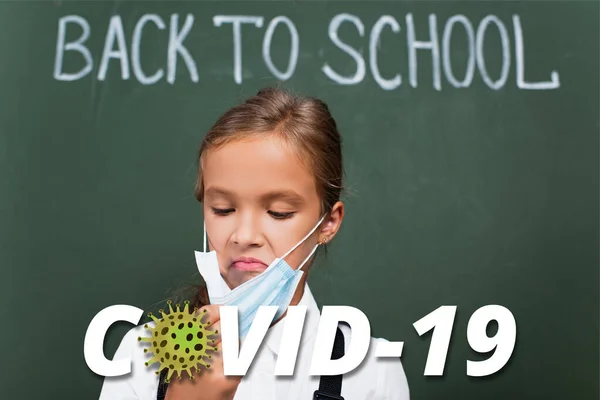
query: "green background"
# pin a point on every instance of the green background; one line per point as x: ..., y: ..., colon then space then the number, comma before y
x: 463, y: 197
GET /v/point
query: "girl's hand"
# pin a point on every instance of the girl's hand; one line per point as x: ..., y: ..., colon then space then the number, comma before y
x: 211, y: 383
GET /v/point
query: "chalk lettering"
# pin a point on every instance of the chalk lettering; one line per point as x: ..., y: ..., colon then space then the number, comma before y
x: 295, y: 43
x: 62, y: 47
x: 74, y: 57
x: 479, y: 40
x: 432, y: 44
x: 176, y: 46
x: 359, y: 75
x: 114, y: 32
x: 135, y: 50
x: 520, y: 62
x: 385, y: 84
x: 237, y: 21
x: 446, y: 60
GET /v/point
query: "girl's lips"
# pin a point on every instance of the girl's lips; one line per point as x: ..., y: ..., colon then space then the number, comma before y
x: 248, y: 264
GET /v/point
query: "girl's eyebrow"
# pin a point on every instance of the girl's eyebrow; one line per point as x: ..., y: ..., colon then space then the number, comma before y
x: 214, y: 191
x: 288, y: 196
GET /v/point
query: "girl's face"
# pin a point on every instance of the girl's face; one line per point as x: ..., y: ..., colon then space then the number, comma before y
x: 259, y: 201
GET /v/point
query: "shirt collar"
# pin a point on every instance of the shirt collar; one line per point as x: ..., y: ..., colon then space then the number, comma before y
x: 311, y: 322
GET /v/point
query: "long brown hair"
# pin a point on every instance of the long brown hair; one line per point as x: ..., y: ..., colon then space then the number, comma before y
x: 304, y: 122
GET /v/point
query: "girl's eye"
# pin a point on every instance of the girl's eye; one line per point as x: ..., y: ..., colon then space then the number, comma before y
x: 281, y: 215
x: 222, y: 211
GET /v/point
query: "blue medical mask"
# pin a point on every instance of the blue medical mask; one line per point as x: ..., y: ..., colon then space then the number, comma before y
x: 275, y: 286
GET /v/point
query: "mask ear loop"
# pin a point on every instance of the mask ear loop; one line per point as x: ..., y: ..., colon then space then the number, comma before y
x: 302, y: 241
x: 309, y: 256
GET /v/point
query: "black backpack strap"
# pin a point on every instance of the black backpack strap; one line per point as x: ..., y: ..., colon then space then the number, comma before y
x: 330, y: 386
x: 162, y: 385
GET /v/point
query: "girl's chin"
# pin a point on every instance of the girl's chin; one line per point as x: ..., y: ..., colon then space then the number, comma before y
x: 236, y: 277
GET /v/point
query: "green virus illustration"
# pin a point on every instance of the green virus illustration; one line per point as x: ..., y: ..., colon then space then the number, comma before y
x: 179, y: 341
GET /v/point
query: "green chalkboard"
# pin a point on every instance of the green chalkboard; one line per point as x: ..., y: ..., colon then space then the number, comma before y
x: 471, y: 154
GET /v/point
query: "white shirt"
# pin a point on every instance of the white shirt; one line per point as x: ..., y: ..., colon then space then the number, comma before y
x: 373, y: 379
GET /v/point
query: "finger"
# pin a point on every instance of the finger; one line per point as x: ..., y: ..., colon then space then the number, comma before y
x: 209, y: 314
x: 212, y: 359
x: 212, y: 351
x: 214, y: 333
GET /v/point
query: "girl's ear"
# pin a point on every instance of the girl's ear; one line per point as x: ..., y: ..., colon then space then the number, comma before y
x: 332, y: 223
